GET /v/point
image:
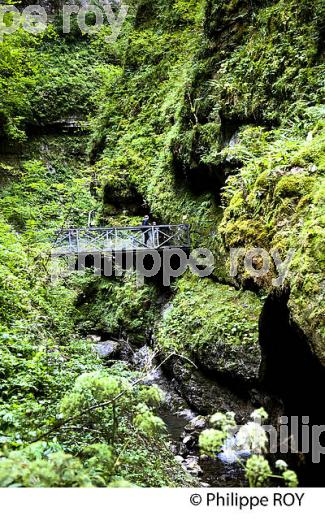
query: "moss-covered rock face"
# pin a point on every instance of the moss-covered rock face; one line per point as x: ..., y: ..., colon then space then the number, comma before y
x: 214, y: 325
x: 118, y: 308
x: 46, y: 184
x: 120, y: 195
x: 134, y: 139
x: 205, y: 393
x: 266, y: 57
x: 277, y: 202
x: 224, y: 103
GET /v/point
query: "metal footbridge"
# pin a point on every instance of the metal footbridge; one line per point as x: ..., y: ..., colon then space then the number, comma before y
x: 70, y: 242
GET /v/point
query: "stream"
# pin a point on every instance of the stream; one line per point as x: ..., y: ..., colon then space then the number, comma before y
x: 183, y: 424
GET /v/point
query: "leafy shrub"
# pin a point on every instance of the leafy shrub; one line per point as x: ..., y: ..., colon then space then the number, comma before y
x: 251, y: 440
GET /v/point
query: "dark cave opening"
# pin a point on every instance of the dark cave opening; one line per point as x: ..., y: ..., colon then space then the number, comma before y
x: 292, y: 372
x: 200, y: 178
x: 129, y: 200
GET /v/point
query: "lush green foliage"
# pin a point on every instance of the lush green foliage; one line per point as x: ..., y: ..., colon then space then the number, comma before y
x: 238, y: 98
x: 118, y: 307
x: 114, y: 433
x: 214, y: 324
x: 37, y: 69
x: 277, y: 202
x: 252, y: 439
x: 47, y: 373
x: 194, y: 96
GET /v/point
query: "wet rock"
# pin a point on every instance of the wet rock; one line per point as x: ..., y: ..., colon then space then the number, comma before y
x: 108, y: 349
x: 189, y: 441
x: 173, y: 448
x: 217, y: 474
x: 141, y: 357
x: 219, y: 358
x: 179, y: 459
x: 205, y: 394
x: 198, y: 423
x: 192, y: 466
x: 297, y: 170
x: 204, y: 457
x: 94, y: 339
x: 166, y: 310
x: 183, y: 450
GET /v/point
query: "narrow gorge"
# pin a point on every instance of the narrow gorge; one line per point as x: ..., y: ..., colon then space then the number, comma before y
x: 201, y: 112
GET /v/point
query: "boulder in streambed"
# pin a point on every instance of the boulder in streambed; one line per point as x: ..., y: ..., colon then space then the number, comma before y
x: 205, y: 394
x: 107, y: 349
x: 197, y: 424
x: 215, y: 326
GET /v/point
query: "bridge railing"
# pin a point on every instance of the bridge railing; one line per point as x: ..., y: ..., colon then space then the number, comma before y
x: 92, y: 240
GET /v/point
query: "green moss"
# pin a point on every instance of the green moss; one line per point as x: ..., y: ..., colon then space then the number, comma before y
x: 36, y: 70
x: 284, y: 210
x: 118, y: 307
x: 278, y: 47
x: 293, y: 185
x: 236, y: 68
x: 216, y: 322
x: 49, y: 185
x: 245, y: 231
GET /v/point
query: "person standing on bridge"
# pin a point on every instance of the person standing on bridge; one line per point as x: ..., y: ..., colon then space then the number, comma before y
x: 145, y: 227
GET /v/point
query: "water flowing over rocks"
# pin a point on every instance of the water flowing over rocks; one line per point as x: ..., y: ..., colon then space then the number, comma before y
x: 183, y: 399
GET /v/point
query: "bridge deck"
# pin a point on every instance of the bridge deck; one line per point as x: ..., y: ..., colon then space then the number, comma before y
x: 94, y: 240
